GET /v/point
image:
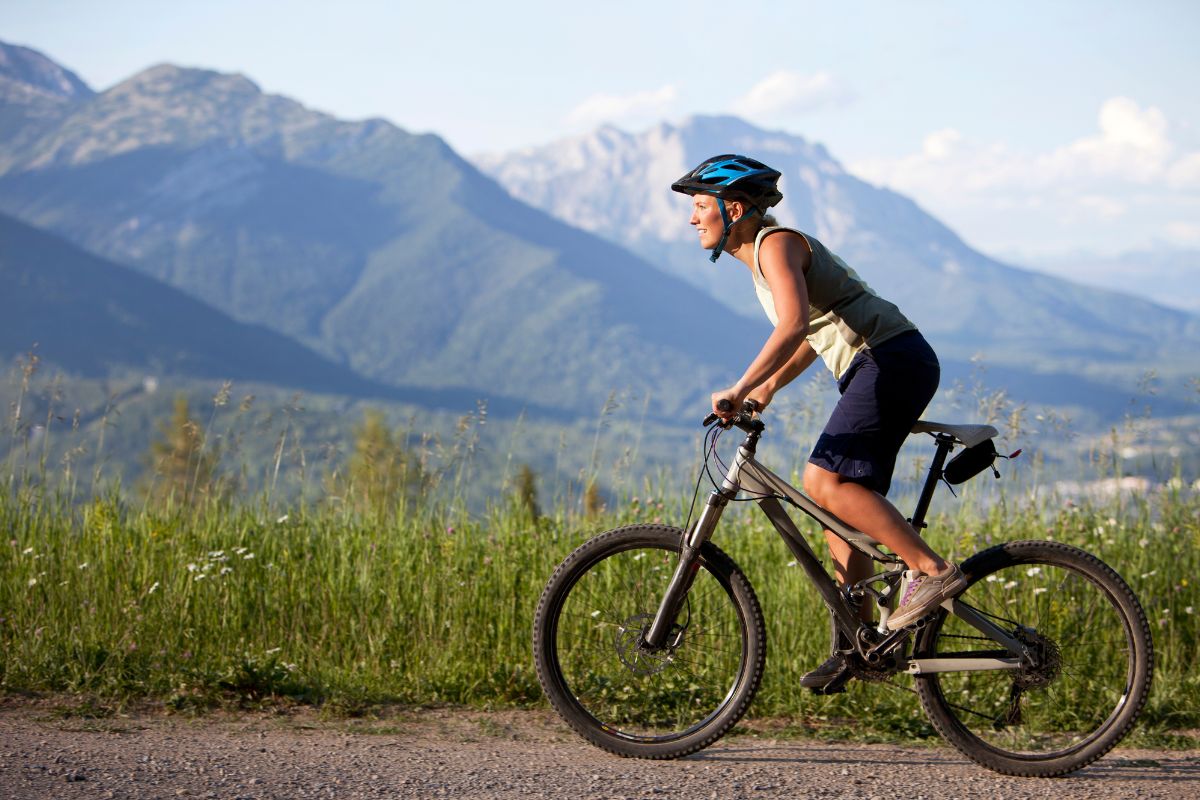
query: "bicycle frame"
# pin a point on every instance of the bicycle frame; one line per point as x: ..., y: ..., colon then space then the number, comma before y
x: 747, y: 474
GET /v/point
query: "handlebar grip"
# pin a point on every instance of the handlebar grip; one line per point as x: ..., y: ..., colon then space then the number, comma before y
x: 725, y: 406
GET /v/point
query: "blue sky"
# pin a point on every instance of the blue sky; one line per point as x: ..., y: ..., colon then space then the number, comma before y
x: 1031, y: 128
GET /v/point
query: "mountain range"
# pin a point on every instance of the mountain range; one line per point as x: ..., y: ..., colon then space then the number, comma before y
x: 617, y: 185
x: 376, y: 248
x: 388, y: 256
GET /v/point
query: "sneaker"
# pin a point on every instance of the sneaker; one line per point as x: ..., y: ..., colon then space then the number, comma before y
x: 828, y: 673
x: 923, y: 594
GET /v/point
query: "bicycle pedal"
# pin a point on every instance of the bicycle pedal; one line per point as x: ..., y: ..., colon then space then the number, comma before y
x: 835, y: 686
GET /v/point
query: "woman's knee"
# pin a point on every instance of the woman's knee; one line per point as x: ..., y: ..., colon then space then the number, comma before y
x: 818, y: 483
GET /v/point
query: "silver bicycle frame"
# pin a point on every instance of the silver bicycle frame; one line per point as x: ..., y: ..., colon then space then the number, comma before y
x: 746, y: 474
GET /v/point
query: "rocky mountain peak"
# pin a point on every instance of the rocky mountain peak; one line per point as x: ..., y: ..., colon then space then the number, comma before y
x: 28, y: 76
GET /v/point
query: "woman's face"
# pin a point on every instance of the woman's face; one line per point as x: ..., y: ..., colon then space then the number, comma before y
x: 706, y: 216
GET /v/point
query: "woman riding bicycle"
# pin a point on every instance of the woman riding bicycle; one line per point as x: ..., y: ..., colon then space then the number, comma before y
x: 886, y: 373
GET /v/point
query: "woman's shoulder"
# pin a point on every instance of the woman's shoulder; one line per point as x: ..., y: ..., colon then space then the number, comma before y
x: 787, y: 244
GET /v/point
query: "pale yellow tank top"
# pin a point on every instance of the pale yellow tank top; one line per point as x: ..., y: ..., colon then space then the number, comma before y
x: 844, y: 315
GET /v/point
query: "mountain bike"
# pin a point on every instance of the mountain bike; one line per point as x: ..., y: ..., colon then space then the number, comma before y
x: 650, y: 641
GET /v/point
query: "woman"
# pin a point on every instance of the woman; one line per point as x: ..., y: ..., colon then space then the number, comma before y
x: 885, y: 369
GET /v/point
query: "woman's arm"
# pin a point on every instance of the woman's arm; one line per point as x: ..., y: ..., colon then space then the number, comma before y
x: 782, y: 258
x: 801, y: 360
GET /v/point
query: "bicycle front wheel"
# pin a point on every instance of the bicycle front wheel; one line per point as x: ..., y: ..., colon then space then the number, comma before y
x: 616, y: 691
x: 1092, y: 661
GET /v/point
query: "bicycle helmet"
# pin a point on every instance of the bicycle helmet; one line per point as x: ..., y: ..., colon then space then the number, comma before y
x: 732, y: 175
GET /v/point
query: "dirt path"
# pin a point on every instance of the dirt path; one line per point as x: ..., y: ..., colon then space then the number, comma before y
x: 499, y: 755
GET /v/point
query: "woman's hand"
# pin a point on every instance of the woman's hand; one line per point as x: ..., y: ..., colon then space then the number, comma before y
x: 734, y: 395
x: 762, y: 395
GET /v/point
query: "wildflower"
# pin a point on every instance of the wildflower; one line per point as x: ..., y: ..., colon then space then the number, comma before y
x: 1150, y: 573
x: 1033, y: 571
x: 226, y: 570
x: 84, y: 565
x: 217, y: 555
x: 1010, y: 584
x: 282, y: 519
x: 1040, y: 589
x: 595, y: 613
x: 274, y: 650
x: 1143, y: 542
x: 449, y: 530
x: 27, y: 551
x: 248, y: 556
x: 1188, y: 610
x: 192, y: 568
x: 239, y: 550
x: 639, y: 556
x: 200, y: 577
x: 32, y: 582
x: 153, y: 588
x: 791, y: 563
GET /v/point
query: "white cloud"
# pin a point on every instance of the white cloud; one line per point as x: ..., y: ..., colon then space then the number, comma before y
x: 1123, y: 181
x: 600, y: 108
x: 785, y: 92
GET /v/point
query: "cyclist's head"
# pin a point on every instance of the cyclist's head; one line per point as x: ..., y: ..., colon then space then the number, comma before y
x: 733, y: 178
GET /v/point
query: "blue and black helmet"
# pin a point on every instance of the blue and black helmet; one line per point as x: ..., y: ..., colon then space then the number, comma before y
x: 732, y: 177
x: 724, y: 175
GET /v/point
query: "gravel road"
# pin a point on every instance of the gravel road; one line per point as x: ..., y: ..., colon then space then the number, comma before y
x: 45, y: 754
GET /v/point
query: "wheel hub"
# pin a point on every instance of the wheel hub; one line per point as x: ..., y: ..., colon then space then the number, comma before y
x: 1045, y: 657
x: 633, y: 651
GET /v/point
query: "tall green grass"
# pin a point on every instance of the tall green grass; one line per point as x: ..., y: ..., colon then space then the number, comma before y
x: 421, y: 605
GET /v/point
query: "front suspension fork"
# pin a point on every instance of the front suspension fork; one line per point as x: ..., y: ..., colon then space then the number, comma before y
x: 685, y: 571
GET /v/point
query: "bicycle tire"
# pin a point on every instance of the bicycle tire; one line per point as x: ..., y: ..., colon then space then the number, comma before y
x: 614, y: 693
x: 1095, y: 661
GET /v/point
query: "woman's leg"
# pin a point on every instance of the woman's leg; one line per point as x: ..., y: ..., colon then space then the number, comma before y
x: 871, y: 513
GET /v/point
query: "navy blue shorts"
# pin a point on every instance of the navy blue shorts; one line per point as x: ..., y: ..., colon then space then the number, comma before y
x: 884, y: 392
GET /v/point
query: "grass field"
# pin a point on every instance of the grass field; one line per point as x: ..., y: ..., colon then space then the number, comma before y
x: 417, y: 604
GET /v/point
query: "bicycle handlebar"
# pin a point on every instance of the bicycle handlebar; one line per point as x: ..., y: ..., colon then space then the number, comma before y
x: 742, y: 419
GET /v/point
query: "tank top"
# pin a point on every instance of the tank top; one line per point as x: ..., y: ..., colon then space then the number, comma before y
x: 844, y: 315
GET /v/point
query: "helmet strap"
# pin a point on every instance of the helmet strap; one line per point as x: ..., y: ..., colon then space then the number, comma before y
x: 716, y: 253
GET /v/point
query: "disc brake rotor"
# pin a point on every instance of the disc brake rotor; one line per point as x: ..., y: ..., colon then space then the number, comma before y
x: 630, y: 644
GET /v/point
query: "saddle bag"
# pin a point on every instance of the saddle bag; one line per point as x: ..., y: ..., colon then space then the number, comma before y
x: 971, y: 462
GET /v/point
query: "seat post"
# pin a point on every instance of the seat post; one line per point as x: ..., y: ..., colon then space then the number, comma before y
x: 945, y: 443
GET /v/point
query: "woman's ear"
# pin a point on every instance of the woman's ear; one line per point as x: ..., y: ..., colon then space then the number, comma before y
x: 735, y: 210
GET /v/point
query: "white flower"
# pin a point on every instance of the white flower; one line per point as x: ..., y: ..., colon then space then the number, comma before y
x: 791, y: 563
x: 639, y: 556
x: 1010, y: 584
x: 84, y: 565
x: 248, y: 556
x: 1040, y: 589
x: 1033, y: 571
x: 153, y: 588
x: 274, y: 650
x: 226, y: 570
x: 282, y: 519
x: 1188, y: 610
x: 27, y: 551
x: 32, y: 582
x: 1150, y: 573
x: 200, y: 577
x: 595, y: 613
x: 192, y: 568
x: 992, y: 578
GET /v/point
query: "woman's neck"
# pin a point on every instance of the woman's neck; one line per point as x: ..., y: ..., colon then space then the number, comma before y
x: 741, y: 246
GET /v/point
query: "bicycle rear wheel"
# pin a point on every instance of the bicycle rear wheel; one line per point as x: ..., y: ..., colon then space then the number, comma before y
x: 617, y: 692
x: 1093, y: 661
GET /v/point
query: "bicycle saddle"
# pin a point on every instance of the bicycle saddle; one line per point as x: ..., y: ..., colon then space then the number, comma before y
x: 969, y: 435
